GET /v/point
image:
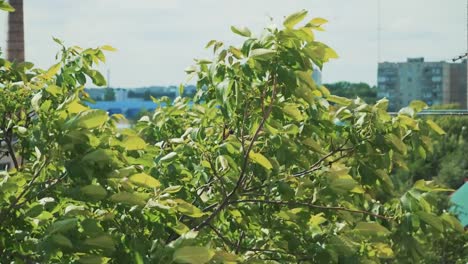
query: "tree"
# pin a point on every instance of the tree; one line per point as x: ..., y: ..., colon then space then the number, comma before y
x: 263, y: 166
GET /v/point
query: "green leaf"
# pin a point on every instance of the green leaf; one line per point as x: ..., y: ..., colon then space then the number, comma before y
x: 262, y: 54
x: 313, y: 145
x: 418, y: 106
x: 397, y: 143
x: 172, y: 189
x: 371, y: 229
x: 432, y: 220
x: 193, y: 255
x: 95, y: 192
x: 74, y: 210
x: 317, y: 220
x: 62, y: 226
x: 188, y: 209
x: 35, y: 101
x: 62, y: 241
x: 384, y: 251
x: 90, y: 119
x: 180, y: 228
x: 127, y: 198
x: 98, y: 78
x: 91, y: 259
x: 435, y: 127
x: 242, y: 31
x: 293, y: 112
x: 169, y: 157
x: 342, y: 183
x: 144, y: 180
x: 102, y: 241
x: 134, y: 143
x: 294, y: 19
x: 317, y: 22
x: 6, y: 7
x: 339, y: 100
x: 430, y: 186
x: 408, y: 121
x: 261, y: 160
x: 237, y: 53
x: 75, y: 107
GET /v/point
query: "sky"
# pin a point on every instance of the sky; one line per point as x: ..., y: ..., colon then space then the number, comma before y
x: 158, y: 39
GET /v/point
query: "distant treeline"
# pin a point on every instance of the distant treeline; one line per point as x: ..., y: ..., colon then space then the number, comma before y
x: 352, y: 90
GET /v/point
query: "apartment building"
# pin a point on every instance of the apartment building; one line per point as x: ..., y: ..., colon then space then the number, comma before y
x: 432, y: 82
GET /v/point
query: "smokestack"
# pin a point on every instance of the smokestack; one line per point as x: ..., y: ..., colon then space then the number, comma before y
x: 15, y: 41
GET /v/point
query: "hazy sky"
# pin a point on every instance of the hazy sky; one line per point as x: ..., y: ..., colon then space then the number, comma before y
x: 158, y: 39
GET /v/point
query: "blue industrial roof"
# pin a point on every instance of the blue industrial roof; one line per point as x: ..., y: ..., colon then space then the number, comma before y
x: 127, y: 104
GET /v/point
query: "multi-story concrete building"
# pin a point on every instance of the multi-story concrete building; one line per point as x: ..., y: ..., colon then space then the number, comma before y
x: 432, y: 82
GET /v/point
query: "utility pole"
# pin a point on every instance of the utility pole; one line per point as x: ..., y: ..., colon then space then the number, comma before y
x: 379, y: 31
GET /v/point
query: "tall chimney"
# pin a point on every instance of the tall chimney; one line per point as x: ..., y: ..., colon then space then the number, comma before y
x: 15, y: 41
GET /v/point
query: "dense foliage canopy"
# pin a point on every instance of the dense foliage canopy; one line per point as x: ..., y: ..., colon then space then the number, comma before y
x: 263, y: 166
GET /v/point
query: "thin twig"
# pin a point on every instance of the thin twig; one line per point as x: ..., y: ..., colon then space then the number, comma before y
x: 316, y: 165
x: 294, y: 203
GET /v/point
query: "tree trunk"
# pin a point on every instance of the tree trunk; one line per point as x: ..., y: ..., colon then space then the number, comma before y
x: 15, y: 41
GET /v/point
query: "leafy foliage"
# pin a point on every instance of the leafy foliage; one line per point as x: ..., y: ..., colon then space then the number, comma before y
x: 263, y: 166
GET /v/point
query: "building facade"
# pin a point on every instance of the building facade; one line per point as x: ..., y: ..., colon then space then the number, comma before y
x: 432, y: 82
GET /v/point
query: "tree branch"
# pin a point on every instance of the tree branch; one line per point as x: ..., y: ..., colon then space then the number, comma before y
x: 11, y: 151
x: 294, y: 203
x: 316, y: 165
x: 225, y: 202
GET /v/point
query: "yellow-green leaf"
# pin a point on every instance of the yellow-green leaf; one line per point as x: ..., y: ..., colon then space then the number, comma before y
x: 134, y: 143
x: 193, y: 255
x: 96, y: 192
x: 53, y: 70
x: 371, y: 229
x: 261, y: 160
x: 127, y: 198
x: 242, y: 31
x: 188, y: 209
x: 89, y: 119
x: 435, y: 127
x: 92, y: 259
x: 293, y: 112
x: 317, y: 22
x: 144, y: 180
x: 76, y: 107
x: 102, y: 241
x: 108, y: 48
x: 339, y: 100
x: 384, y: 250
x: 294, y: 19
x: 262, y: 54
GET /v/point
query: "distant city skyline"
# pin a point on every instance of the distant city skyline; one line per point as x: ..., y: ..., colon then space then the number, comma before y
x: 158, y: 39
